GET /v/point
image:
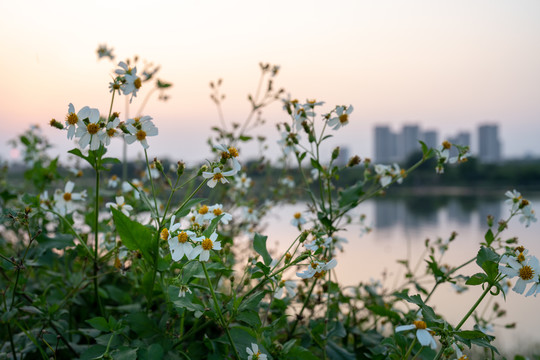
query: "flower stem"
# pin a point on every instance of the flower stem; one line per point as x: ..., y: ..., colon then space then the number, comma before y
x: 469, y: 313
x: 406, y: 356
x: 218, y: 310
x: 291, y: 332
x: 96, y: 236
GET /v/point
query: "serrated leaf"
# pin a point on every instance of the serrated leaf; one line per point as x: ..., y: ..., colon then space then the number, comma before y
x: 489, y: 237
x: 259, y: 244
x: 99, y: 323
x: 134, y: 235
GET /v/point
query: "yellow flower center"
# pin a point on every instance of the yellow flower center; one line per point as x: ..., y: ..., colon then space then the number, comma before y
x: 526, y: 272
x: 79, y: 173
x: 217, y: 211
x: 72, y: 118
x: 92, y: 128
x: 343, y: 118
x: 297, y: 215
x: 312, y: 101
x: 464, y: 357
x: 67, y: 196
x: 521, y: 257
x: 114, y: 178
x: 111, y: 132
x: 233, y: 151
x: 446, y: 145
x: 203, y: 210
x: 420, y: 324
x: 141, y: 135
x: 207, y: 244
x: 164, y: 234
x: 137, y: 83
x: 182, y: 237
x: 218, y: 176
x: 319, y: 275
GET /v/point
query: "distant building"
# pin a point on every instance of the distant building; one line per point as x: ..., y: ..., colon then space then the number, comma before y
x: 410, y: 136
x: 462, y: 139
x: 489, y: 150
x: 430, y: 138
x: 385, y: 145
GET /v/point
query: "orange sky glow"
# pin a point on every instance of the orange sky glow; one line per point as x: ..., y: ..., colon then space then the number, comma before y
x: 446, y: 65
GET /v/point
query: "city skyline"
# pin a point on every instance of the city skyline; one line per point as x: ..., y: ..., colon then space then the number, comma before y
x: 396, y: 146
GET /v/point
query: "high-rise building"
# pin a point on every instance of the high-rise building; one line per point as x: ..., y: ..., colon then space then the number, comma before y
x: 430, y: 138
x: 489, y: 150
x: 410, y: 135
x: 385, y: 142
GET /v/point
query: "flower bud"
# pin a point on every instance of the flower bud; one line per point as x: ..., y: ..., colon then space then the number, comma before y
x: 158, y: 165
x: 335, y: 153
x: 355, y: 160
x: 181, y: 167
x: 56, y: 124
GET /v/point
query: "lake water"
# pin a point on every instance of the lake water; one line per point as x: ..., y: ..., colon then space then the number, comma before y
x: 399, y: 229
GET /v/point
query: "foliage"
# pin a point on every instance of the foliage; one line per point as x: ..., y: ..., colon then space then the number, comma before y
x: 174, y: 264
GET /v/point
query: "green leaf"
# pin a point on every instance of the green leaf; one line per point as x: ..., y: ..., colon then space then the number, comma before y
x: 252, y: 303
x: 350, y: 196
x: 477, y: 279
x: 316, y: 165
x: 383, y: 311
x: 142, y: 325
x: 153, y: 352
x: 259, y: 244
x: 250, y: 317
x: 126, y: 353
x: 486, y: 254
x: 489, y: 237
x: 212, y: 227
x: 99, y: 323
x: 301, y: 353
x: 59, y: 241
x: 334, y: 351
x: 134, y: 235
x: 471, y: 334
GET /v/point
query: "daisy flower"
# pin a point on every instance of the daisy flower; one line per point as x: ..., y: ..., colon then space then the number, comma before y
x: 527, y: 215
x: 217, y: 210
x: 183, y: 290
x: 298, y: 220
x: 64, y: 201
x: 120, y: 205
x: 525, y: 267
x: 110, y: 132
x: 140, y: 133
x: 422, y: 333
x: 72, y: 119
x: 89, y: 133
x: 217, y: 176
x: 207, y: 244
x: 285, y: 288
x: 254, y: 353
x: 342, y: 117
x: 179, y: 244
x: 317, y: 269
x: 230, y: 153
x: 514, y: 199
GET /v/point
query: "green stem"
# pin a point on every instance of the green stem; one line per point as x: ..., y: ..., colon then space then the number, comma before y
x: 291, y: 332
x: 96, y: 235
x: 218, y: 310
x: 469, y: 313
x: 9, y: 328
x: 153, y: 188
x: 406, y: 356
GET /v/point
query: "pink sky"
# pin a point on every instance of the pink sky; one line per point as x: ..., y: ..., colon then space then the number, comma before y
x: 446, y: 65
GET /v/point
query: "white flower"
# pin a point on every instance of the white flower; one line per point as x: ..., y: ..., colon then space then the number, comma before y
x: 64, y: 201
x: 110, y: 132
x: 317, y: 269
x: 527, y: 215
x: 216, y: 175
x: 207, y: 244
x: 250, y: 214
x: 125, y: 69
x: 179, y: 244
x: 132, y: 85
x: 243, y: 182
x: 288, y: 285
x: 120, y: 205
x: 146, y: 128
x: 216, y: 211
x: 89, y: 133
x: 72, y: 119
x: 288, y: 142
x: 298, y: 220
x: 287, y: 181
x: 342, y: 117
x: 113, y: 182
x: 183, y: 290
x: 300, y: 114
x: 230, y: 153
x: 514, y: 199
x: 422, y: 333
x: 526, y: 268
x: 254, y: 353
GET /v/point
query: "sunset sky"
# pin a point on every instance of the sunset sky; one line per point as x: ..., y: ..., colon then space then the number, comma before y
x: 446, y: 65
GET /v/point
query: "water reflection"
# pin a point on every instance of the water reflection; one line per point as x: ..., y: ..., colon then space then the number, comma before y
x: 417, y: 212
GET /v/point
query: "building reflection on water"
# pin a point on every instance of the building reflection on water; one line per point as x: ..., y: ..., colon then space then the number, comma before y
x: 417, y: 212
